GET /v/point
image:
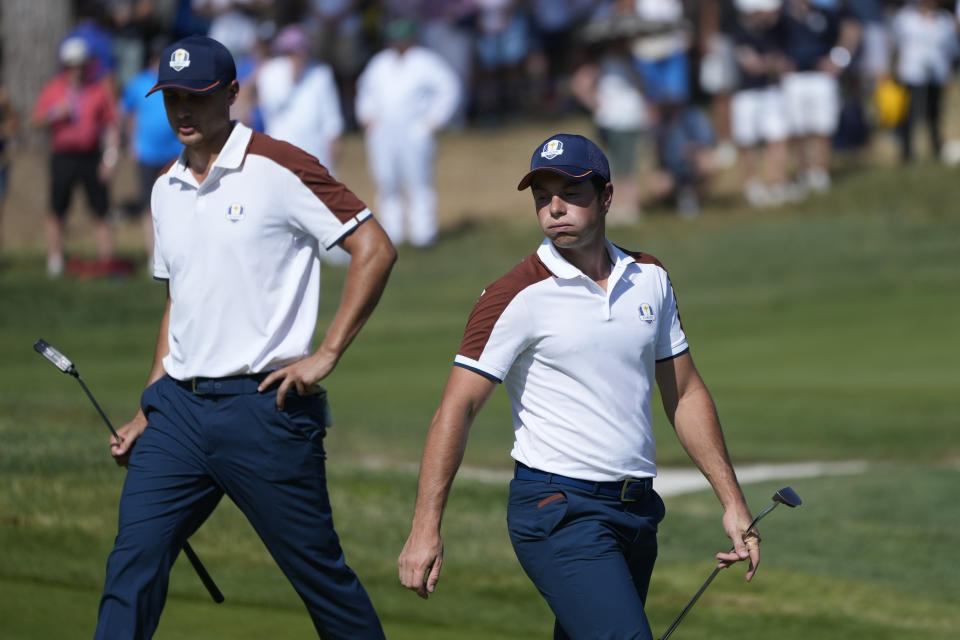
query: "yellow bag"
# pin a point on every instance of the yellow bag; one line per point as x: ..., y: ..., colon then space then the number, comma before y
x: 892, y: 101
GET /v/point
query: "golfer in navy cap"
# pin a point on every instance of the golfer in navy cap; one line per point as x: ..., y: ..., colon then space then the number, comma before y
x: 578, y: 332
x: 232, y: 405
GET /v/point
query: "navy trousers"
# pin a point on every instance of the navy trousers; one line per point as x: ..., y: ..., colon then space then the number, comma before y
x: 589, y: 555
x: 270, y: 463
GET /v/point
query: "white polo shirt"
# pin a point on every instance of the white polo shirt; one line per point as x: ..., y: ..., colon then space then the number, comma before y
x: 578, y: 361
x: 240, y: 252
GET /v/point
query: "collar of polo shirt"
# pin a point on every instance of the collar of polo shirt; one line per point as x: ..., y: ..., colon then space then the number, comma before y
x: 559, y: 266
x: 230, y: 156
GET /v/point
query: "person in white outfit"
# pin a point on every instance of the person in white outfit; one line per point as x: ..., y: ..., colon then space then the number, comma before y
x: 404, y: 96
x: 925, y: 37
x: 299, y: 100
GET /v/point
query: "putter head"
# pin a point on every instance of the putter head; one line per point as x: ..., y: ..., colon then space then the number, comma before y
x: 59, y: 360
x: 788, y: 497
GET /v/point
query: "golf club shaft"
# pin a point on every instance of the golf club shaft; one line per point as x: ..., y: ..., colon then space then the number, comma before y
x: 713, y: 575
x: 202, y: 572
x: 97, y: 405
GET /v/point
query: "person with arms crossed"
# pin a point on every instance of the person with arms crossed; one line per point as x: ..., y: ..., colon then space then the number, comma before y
x: 232, y: 404
x: 578, y: 331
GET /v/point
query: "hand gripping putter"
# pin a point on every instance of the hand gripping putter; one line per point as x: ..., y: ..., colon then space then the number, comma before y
x: 63, y: 363
x: 785, y: 496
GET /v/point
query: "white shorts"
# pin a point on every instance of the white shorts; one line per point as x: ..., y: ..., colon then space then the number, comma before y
x: 758, y: 115
x: 813, y: 103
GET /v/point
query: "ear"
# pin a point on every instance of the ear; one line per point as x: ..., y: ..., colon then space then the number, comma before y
x: 232, y: 90
x: 606, y: 197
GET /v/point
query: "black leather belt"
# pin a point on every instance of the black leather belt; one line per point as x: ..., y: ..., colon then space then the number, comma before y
x: 229, y: 386
x: 627, y: 490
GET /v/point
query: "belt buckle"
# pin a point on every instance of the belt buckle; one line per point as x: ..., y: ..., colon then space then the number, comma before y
x: 193, y: 387
x: 626, y: 485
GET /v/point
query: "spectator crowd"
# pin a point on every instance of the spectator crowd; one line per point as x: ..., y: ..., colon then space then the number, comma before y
x: 774, y: 85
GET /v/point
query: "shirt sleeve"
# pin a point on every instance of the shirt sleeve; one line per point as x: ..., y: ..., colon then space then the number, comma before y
x: 108, y: 109
x: 44, y: 102
x: 365, y: 103
x: 160, y: 269
x: 671, y: 340
x: 497, y: 332
x: 332, y: 118
x: 128, y: 101
x: 321, y: 206
x: 447, y: 86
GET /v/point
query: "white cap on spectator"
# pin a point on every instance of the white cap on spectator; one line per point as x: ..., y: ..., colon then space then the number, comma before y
x: 750, y: 6
x: 73, y: 51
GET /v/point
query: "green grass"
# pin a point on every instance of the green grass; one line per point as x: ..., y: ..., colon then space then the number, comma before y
x: 865, y: 556
x: 825, y: 331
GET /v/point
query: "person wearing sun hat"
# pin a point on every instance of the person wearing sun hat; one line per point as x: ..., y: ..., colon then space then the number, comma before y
x: 578, y: 332
x: 233, y: 404
x: 78, y: 112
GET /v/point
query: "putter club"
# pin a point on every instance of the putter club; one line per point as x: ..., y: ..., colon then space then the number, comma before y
x: 63, y: 363
x: 785, y: 496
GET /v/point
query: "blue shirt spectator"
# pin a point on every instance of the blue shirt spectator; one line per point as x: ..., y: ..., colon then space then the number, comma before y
x: 154, y: 142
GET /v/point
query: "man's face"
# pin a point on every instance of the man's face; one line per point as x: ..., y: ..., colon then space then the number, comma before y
x: 571, y: 213
x: 199, y: 118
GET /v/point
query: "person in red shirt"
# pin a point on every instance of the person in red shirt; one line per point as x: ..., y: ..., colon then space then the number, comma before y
x: 80, y: 115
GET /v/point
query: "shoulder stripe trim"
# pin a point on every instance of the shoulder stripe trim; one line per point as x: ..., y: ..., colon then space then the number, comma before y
x: 674, y: 356
x: 478, y: 371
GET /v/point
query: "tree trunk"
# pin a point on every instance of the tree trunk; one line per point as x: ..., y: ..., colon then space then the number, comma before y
x: 31, y: 31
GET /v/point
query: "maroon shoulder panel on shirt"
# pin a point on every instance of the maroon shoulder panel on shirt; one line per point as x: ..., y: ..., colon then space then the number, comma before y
x: 495, y: 299
x: 646, y: 258
x: 165, y: 168
x: 641, y: 257
x: 338, y: 198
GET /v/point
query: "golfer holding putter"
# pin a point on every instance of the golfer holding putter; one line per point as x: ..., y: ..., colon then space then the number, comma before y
x: 578, y: 331
x: 232, y: 404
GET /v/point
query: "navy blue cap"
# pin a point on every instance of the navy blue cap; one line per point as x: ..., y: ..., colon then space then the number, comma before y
x: 195, y: 64
x: 571, y: 156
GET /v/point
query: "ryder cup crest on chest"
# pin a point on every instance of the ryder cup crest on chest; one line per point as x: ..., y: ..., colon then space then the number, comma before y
x: 646, y: 313
x: 235, y: 212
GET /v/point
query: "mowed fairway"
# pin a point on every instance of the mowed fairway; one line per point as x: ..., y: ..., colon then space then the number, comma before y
x: 826, y: 331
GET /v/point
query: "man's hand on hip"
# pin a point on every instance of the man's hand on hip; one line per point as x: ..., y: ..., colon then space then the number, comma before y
x: 302, y: 375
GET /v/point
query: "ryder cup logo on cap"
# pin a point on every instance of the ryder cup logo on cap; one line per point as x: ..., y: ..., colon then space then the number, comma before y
x: 180, y: 60
x: 552, y: 149
x: 235, y: 212
x: 197, y: 64
x: 574, y: 157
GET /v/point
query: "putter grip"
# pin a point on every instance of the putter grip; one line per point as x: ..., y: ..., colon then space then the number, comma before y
x: 202, y: 572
